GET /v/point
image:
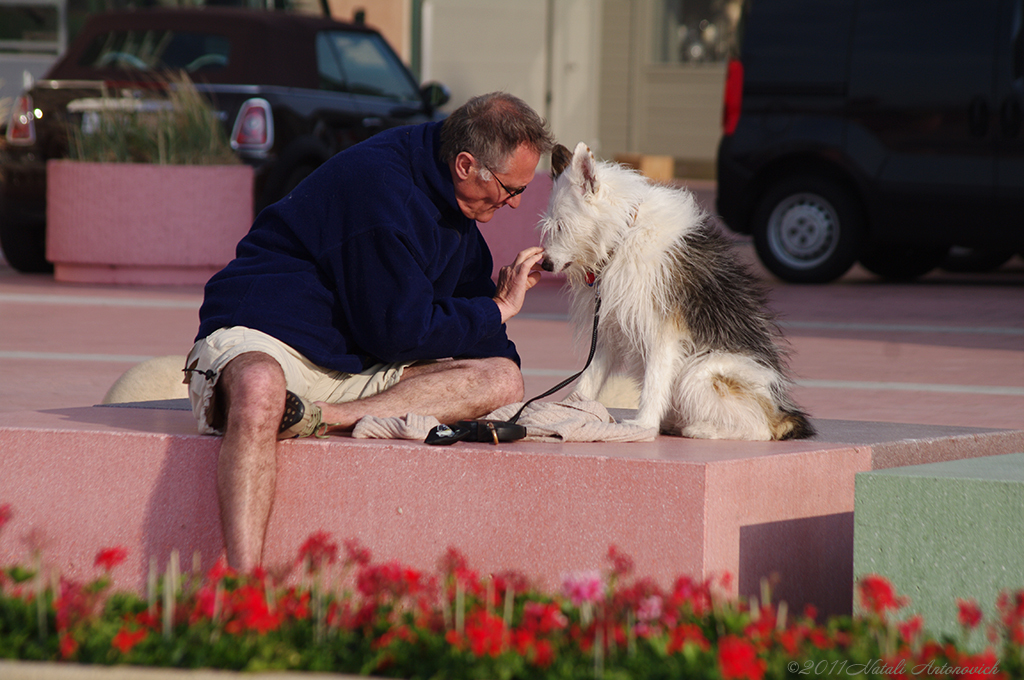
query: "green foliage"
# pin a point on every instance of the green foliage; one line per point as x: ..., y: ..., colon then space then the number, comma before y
x: 178, y: 129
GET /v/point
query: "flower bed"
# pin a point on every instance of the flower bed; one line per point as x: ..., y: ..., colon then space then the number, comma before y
x: 337, y: 610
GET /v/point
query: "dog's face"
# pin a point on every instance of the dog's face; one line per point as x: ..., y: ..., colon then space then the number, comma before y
x: 570, y: 229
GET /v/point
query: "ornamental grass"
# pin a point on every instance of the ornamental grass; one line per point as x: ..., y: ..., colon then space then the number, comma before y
x: 173, y: 125
x: 337, y: 610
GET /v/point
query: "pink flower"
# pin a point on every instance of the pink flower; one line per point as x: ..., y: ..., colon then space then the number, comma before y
x: 583, y: 587
x: 649, y: 609
x: 108, y: 558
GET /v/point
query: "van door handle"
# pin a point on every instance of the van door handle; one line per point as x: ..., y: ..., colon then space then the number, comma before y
x: 977, y: 117
x: 1010, y: 117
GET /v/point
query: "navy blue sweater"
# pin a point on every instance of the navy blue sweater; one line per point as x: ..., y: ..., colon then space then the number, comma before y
x: 368, y: 260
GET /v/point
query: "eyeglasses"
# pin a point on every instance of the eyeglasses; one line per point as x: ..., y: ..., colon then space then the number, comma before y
x: 512, y: 193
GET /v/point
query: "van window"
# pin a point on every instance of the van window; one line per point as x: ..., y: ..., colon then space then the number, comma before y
x: 693, y: 31
x: 157, y: 50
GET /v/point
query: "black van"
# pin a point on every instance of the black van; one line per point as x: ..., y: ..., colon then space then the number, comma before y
x: 887, y: 132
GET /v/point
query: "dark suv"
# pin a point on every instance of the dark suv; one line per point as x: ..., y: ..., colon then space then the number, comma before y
x: 881, y: 131
x: 291, y: 90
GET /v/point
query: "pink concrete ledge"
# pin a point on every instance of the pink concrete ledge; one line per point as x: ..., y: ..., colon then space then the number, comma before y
x: 80, y: 479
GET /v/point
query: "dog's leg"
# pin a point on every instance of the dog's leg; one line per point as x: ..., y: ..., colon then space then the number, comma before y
x: 594, y: 378
x: 659, y: 376
x: 725, y: 396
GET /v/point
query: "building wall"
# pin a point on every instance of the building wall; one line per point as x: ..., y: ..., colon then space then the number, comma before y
x: 393, y: 18
x: 544, y: 51
x: 654, y: 108
x: 586, y: 65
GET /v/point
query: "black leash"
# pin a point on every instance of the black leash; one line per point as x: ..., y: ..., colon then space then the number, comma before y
x: 507, y: 430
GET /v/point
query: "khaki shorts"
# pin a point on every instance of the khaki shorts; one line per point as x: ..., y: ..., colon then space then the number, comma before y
x: 210, y: 354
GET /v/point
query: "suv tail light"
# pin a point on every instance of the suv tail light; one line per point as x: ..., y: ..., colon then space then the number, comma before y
x: 733, y: 97
x: 22, y: 128
x: 254, y: 127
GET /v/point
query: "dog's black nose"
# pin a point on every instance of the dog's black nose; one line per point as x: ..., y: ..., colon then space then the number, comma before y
x: 546, y: 265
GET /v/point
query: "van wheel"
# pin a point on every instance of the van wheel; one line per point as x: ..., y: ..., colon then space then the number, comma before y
x: 807, y: 230
x: 24, y: 244
x: 901, y: 262
x: 973, y: 260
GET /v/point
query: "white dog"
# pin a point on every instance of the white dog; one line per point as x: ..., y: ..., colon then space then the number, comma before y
x: 680, y: 314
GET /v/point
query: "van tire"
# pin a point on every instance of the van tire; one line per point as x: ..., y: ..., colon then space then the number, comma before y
x: 807, y: 229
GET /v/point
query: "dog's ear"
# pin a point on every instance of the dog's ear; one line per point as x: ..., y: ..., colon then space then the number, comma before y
x: 585, y: 165
x: 560, y: 159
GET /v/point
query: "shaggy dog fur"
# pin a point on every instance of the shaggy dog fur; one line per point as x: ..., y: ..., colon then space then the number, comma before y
x: 680, y: 314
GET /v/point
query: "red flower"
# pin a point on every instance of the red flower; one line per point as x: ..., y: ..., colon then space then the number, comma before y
x: 543, y: 618
x: 970, y: 613
x: 622, y: 564
x: 5, y: 514
x: 544, y: 653
x: 356, y: 553
x: 68, y: 645
x: 74, y: 604
x: 125, y: 640
x: 738, y: 659
x: 452, y: 562
x: 391, y: 579
x: 486, y: 634
x: 108, y: 558
x: 878, y: 596
x: 685, y: 634
x: 696, y: 595
x: 909, y: 630
x: 317, y: 551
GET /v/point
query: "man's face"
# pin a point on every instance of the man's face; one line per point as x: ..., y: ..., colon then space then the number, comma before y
x: 480, y: 199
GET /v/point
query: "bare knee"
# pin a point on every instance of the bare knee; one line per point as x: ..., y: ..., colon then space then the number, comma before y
x: 252, y: 388
x: 504, y: 379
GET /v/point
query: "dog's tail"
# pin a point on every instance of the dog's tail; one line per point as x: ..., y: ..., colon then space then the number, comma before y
x: 792, y: 423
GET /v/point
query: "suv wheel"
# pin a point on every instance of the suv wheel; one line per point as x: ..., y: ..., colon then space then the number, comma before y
x: 807, y: 230
x: 24, y: 244
x: 902, y: 262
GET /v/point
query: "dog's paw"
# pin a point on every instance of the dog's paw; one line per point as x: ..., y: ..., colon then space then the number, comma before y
x: 641, y: 423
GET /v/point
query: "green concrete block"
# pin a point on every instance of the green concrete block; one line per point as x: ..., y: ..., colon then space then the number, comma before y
x: 943, y: 531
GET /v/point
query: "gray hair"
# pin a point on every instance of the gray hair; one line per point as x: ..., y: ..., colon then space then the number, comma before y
x: 491, y: 127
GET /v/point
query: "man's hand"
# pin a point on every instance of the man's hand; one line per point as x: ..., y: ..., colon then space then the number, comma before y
x: 517, y: 278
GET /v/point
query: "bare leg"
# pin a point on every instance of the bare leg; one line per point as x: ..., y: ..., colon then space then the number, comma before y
x: 252, y: 387
x: 448, y: 390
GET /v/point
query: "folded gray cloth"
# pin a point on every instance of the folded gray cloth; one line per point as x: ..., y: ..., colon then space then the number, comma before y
x: 572, y: 420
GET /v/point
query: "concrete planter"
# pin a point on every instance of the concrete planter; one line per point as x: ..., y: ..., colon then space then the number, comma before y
x: 134, y: 223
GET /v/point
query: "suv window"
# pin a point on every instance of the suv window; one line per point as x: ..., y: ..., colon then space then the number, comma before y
x: 361, y: 63
x: 157, y: 50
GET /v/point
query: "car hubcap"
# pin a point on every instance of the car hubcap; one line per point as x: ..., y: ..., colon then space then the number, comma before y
x: 803, y: 231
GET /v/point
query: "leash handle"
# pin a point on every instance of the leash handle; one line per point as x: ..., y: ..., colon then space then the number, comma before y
x: 593, y: 347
